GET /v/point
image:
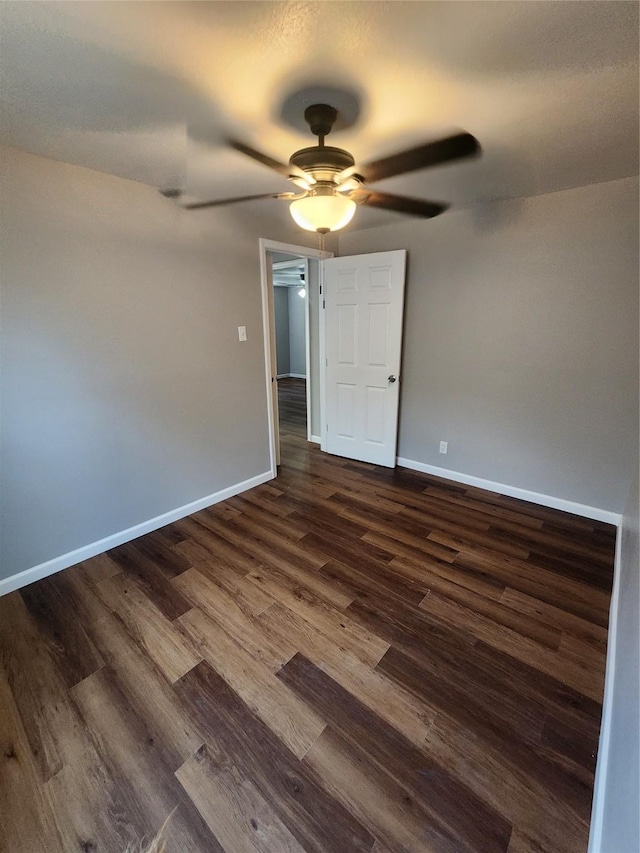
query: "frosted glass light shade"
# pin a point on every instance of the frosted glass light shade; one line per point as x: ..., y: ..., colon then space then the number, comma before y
x: 323, y: 212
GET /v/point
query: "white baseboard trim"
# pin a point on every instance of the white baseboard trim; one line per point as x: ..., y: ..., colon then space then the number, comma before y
x: 43, y: 570
x: 315, y: 439
x: 291, y: 376
x: 602, y: 763
x: 514, y: 492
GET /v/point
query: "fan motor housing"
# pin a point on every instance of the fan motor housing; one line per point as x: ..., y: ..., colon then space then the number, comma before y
x: 322, y: 158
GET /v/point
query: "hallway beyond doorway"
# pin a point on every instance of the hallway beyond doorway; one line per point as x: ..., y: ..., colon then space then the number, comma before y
x: 292, y: 405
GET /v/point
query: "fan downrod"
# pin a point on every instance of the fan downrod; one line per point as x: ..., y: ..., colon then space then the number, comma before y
x: 322, y: 161
x: 320, y: 118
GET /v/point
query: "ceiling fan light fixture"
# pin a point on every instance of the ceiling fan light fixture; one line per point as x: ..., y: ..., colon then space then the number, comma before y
x: 323, y: 211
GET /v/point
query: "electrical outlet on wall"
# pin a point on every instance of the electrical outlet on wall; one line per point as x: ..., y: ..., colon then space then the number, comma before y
x: 444, y: 446
x: 242, y: 333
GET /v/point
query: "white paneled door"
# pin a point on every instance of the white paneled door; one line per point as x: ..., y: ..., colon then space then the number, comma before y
x: 364, y: 302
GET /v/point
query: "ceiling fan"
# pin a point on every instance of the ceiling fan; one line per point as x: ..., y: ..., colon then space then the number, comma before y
x: 331, y: 185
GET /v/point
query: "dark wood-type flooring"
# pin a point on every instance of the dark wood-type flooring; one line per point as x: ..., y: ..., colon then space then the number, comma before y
x: 345, y: 659
x: 292, y: 407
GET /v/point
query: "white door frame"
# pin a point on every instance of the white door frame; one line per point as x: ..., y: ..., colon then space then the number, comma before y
x: 268, y: 333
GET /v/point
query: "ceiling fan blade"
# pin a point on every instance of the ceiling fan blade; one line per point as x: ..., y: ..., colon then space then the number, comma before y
x: 403, y: 204
x: 431, y: 154
x: 170, y: 192
x: 281, y: 168
x: 284, y: 169
x: 220, y: 202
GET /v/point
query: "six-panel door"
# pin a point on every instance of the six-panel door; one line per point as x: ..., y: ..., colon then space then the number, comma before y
x: 364, y: 299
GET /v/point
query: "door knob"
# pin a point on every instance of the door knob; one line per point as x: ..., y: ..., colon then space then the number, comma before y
x: 391, y: 378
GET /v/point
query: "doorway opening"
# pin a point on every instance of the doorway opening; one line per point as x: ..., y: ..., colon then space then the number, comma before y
x: 290, y: 276
x: 293, y: 341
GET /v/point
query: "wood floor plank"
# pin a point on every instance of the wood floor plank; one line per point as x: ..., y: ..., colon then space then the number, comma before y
x: 267, y: 519
x: 575, y: 567
x: 262, y: 544
x: 78, y: 593
x: 364, y: 499
x: 33, y: 679
x: 484, y: 508
x: 423, y: 569
x: 92, y: 810
x: 232, y: 806
x: 362, y: 555
x: 575, y: 597
x: 378, y: 693
x: 99, y: 568
x: 270, y: 503
x: 150, y: 578
x: 490, y: 690
x: 555, y: 616
x: 297, y: 796
x: 147, y: 689
x: 497, y: 612
x: 481, y: 543
x: 68, y: 643
x: 26, y: 819
x: 366, y: 580
x: 452, y: 807
x: 536, y: 814
x: 237, y: 619
x: 293, y: 722
x: 423, y: 516
x: 413, y: 630
x: 364, y: 644
x: 162, y: 554
x: 466, y: 713
x: 196, y: 530
x: 87, y: 806
x: 416, y: 549
x: 546, y: 514
x: 573, y: 670
x: 293, y: 574
x: 375, y: 798
x: 142, y: 763
x: 530, y: 686
x: 166, y: 536
x: 571, y: 749
x: 148, y: 626
x: 224, y: 576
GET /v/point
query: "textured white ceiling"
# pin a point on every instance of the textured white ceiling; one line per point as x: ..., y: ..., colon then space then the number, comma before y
x: 146, y: 90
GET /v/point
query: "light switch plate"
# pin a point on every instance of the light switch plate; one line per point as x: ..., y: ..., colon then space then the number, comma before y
x: 242, y: 333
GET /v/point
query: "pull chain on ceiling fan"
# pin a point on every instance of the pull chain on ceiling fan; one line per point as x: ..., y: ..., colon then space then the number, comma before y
x: 331, y: 185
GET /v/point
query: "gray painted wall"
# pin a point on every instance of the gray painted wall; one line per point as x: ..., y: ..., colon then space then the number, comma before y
x: 621, y: 825
x: 125, y: 391
x: 297, y: 336
x: 521, y: 340
x: 281, y: 311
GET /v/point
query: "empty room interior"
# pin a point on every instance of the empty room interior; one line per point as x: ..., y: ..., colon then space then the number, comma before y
x: 319, y: 506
